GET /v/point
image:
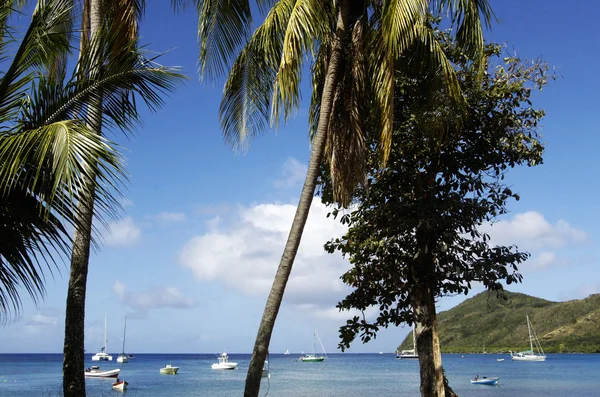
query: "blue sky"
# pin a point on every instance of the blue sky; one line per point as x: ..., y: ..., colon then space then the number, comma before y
x: 193, y: 256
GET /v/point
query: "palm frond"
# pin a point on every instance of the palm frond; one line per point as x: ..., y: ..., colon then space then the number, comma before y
x: 223, y: 27
x: 308, y: 22
x: 246, y: 104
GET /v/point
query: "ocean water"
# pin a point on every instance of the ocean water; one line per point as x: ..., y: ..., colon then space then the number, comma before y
x: 348, y: 375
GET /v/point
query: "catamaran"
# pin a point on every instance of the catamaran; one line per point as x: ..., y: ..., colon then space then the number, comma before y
x: 123, y: 357
x: 312, y: 357
x: 530, y: 355
x: 411, y: 353
x: 102, y: 355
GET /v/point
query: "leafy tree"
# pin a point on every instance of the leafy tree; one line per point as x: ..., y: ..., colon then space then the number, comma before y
x: 351, y: 40
x: 416, y: 232
x: 108, y: 47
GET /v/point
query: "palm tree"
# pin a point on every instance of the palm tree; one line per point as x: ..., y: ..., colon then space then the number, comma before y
x: 44, y: 153
x: 351, y: 40
x: 108, y: 44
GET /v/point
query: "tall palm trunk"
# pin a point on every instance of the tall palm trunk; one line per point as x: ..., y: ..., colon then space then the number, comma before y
x: 73, y: 353
x: 428, y: 343
x: 265, y: 330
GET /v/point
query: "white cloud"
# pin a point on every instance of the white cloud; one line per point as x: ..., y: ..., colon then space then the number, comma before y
x: 152, y: 298
x: 169, y: 216
x: 246, y: 254
x: 531, y: 232
x: 125, y: 202
x: 291, y: 175
x: 122, y: 233
x: 43, y: 322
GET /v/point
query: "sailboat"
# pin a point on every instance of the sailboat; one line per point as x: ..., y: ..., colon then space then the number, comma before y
x: 411, y: 353
x: 312, y: 357
x: 123, y: 357
x: 530, y: 355
x: 102, y: 355
x: 286, y: 352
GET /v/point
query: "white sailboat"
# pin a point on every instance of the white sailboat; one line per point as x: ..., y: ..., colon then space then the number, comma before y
x: 530, y: 355
x: 123, y: 357
x: 102, y: 355
x: 411, y: 353
x: 286, y: 352
x: 312, y: 357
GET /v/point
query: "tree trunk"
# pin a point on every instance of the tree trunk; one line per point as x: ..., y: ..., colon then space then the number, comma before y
x: 73, y: 351
x: 265, y: 330
x: 428, y: 343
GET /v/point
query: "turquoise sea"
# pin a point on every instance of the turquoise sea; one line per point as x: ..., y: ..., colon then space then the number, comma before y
x: 348, y: 375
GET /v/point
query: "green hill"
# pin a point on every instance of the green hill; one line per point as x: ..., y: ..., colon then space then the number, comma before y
x: 562, y: 327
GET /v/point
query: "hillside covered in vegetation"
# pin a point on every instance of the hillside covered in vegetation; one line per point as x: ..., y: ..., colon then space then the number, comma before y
x: 501, y: 325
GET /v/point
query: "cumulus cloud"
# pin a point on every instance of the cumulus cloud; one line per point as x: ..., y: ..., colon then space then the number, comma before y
x: 530, y: 231
x: 152, y: 298
x: 122, y: 233
x: 169, y: 216
x: 245, y: 254
x: 292, y: 174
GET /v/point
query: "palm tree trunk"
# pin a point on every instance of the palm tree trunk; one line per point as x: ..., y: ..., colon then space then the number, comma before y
x: 265, y: 330
x: 73, y: 352
x: 428, y: 343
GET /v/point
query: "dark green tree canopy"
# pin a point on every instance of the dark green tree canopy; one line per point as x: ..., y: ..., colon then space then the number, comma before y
x: 419, y: 223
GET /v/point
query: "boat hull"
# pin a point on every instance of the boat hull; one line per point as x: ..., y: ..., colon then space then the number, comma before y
x: 486, y: 381
x: 122, y: 359
x: 312, y: 359
x: 529, y: 358
x: 120, y: 385
x: 96, y: 373
x: 169, y: 370
x: 224, y: 366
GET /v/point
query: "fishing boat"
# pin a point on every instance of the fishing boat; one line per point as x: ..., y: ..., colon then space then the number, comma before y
x: 102, y: 355
x: 530, y: 355
x: 123, y: 358
x: 411, y: 353
x: 312, y: 357
x: 485, y: 381
x: 169, y: 370
x: 224, y: 362
x: 98, y: 373
x: 120, y: 385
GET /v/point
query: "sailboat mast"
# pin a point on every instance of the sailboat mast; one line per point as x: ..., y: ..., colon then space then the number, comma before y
x: 314, y: 341
x: 124, y: 331
x: 105, y: 341
x: 530, y: 340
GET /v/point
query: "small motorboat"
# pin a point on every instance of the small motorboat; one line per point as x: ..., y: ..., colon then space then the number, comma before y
x: 169, y: 370
x: 485, y: 381
x: 98, y: 373
x: 499, y: 359
x: 120, y: 385
x: 224, y: 362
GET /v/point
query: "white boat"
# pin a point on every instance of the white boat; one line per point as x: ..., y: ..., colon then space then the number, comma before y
x: 312, y: 357
x: 102, y: 355
x: 286, y: 352
x: 265, y: 373
x: 485, y: 381
x: 169, y: 370
x: 410, y: 353
x: 530, y: 355
x: 98, y: 373
x: 499, y: 359
x: 123, y: 357
x: 120, y: 385
x: 224, y: 362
